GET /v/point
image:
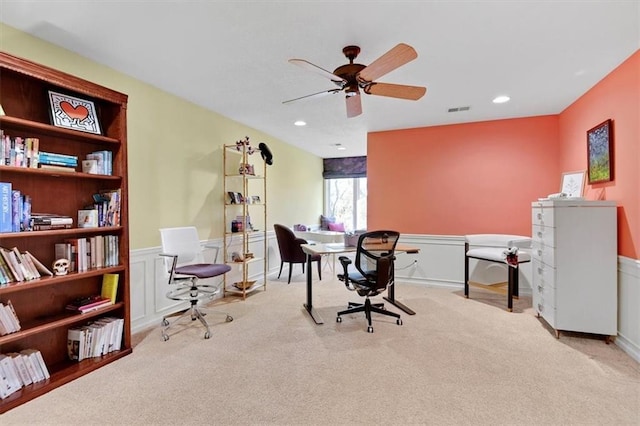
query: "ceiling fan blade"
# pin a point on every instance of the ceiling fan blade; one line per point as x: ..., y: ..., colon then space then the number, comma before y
x: 395, y: 91
x: 311, y: 67
x: 316, y: 95
x: 394, y: 58
x: 354, y: 106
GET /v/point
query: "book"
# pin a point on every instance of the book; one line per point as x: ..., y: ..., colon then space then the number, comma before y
x: 31, y: 368
x: 40, y: 267
x: 9, y: 257
x: 5, y: 207
x: 57, y: 168
x: 21, y: 367
x: 9, y: 374
x: 38, y: 362
x: 16, y: 210
x: 75, y: 343
x: 110, y: 286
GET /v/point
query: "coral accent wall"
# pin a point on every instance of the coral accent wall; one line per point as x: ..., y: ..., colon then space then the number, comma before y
x: 616, y: 97
x: 462, y: 179
x: 482, y: 177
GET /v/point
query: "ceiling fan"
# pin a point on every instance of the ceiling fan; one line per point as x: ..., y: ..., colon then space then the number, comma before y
x: 351, y: 78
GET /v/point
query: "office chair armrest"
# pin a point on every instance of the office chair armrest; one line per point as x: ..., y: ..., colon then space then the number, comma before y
x: 345, y: 262
x: 173, y: 265
x: 214, y: 247
x: 300, y: 241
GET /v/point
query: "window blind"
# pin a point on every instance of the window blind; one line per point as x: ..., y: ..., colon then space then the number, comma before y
x: 346, y: 167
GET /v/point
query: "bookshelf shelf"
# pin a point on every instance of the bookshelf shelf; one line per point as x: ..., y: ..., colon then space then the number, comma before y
x: 250, y: 239
x: 62, y: 319
x: 50, y: 173
x: 61, y: 232
x: 57, y: 280
x: 40, y: 303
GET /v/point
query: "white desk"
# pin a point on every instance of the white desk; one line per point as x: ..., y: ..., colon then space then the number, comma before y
x: 338, y: 248
x: 321, y: 236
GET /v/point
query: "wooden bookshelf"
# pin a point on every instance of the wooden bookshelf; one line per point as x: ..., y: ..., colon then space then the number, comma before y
x: 40, y: 304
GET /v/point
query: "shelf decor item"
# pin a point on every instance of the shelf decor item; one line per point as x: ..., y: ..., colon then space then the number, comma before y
x: 73, y: 113
x: 573, y: 184
x: 600, y: 152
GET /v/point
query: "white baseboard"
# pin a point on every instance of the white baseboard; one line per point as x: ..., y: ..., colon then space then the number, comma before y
x: 439, y: 263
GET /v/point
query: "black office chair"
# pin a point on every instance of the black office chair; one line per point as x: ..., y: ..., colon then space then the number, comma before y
x: 291, y: 252
x: 184, y: 265
x: 374, y: 272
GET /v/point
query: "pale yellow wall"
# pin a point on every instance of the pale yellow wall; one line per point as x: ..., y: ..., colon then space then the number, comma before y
x: 175, y: 156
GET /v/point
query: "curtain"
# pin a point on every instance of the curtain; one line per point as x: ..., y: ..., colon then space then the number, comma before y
x: 347, y: 167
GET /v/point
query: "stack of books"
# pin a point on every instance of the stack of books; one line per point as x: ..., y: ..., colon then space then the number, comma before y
x: 57, y: 162
x: 46, y: 221
x: 9, y: 322
x: 88, y: 304
x: 17, y: 266
x: 18, y: 369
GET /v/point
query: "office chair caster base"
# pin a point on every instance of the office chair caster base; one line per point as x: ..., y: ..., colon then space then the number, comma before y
x: 207, y: 335
x: 165, y: 322
x: 369, y: 329
x: 229, y: 318
x: 338, y: 319
x: 399, y: 321
x: 165, y: 337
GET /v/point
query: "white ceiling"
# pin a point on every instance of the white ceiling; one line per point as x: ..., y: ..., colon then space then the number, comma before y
x: 232, y: 57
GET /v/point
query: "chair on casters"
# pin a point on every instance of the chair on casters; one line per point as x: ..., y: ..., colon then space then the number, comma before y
x: 291, y: 252
x: 374, y: 263
x: 185, y: 265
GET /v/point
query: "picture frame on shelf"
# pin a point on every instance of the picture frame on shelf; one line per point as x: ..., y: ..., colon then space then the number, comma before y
x: 73, y: 113
x: 600, y: 152
x: 572, y: 183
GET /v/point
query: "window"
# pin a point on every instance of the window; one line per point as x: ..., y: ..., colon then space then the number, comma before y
x: 346, y: 200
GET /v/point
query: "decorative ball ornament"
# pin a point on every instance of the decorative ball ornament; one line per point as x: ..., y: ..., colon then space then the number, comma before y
x: 60, y: 267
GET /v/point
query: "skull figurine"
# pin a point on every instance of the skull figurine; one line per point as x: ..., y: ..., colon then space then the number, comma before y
x: 61, y: 267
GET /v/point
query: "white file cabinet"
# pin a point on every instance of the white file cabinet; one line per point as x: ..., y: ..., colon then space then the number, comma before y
x: 574, y: 254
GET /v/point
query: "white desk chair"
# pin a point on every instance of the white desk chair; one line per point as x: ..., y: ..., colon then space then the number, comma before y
x: 185, y: 265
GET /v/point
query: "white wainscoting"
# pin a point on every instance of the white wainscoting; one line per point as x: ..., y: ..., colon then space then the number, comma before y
x: 439, y: 262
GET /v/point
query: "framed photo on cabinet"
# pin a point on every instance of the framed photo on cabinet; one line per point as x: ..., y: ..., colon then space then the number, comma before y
x: 73, y: 113
x: 600, y: 152
x: 572, y: 184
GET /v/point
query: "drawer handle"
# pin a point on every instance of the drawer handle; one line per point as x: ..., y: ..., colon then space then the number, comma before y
x: 539, y: 215
x: 540, y: 271
x: 540, y: 289
x: 539, y: 252
x: 539, y: 234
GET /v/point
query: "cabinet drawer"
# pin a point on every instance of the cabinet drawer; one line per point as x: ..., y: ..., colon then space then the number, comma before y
x: 543, y: 274
x: 542, y: 216
x: 543, y: 253
x: 545, y: 235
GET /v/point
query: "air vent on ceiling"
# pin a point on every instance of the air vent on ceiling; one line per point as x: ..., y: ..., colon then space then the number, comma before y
x: 458, y: 109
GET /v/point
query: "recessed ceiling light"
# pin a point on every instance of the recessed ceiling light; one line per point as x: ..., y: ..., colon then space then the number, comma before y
x: 501, y: 99
x: 300, y: 123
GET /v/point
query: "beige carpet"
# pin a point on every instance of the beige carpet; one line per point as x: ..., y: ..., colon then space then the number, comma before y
x: 457, y: 361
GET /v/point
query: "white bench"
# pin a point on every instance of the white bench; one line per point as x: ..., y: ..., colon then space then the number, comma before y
x: 500, y: 248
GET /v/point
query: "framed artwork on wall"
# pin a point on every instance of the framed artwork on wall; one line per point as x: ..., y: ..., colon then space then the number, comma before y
x: 73, y: 113
x: 600, y: 152
x: 572, y: 183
